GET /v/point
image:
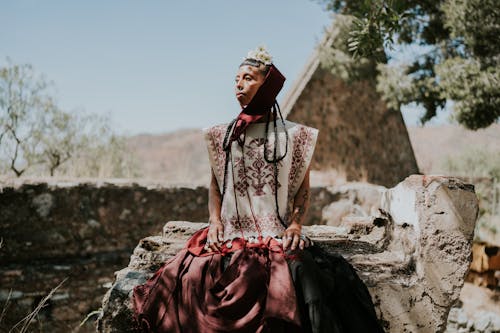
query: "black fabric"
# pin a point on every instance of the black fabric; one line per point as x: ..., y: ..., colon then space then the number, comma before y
x: 331, y: 296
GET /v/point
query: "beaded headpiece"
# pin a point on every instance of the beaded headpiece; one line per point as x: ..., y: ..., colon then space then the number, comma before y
x: 260, y: 54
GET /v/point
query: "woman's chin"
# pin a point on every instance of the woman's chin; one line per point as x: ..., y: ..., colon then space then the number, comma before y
x: 243, y: 102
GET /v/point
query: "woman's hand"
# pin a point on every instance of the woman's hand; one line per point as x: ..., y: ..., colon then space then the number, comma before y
x: 293, y: 234
x: 293, y: 238
x: 215, y: 236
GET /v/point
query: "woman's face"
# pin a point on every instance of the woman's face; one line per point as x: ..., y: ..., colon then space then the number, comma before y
x: 248, y: 80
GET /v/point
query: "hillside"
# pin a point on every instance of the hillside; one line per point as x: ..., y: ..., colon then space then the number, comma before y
x: 177, y: 157
x: 181, y: 156
x: 433, y: 144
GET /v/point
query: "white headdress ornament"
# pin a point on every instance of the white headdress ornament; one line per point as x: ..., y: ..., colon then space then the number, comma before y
x: 260, y: 54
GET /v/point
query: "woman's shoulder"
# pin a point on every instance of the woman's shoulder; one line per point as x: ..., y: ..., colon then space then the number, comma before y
x: 299, y: 127
x: 215, y: 129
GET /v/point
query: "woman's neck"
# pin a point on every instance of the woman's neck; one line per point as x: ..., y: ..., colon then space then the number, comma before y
x: 266, y: 118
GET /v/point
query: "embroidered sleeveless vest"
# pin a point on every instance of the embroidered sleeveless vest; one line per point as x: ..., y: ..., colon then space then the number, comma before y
x: 248, y: 208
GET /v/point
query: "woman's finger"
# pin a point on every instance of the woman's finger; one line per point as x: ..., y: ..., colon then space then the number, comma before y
x: 308, y: 242
x: 286, y: 241
x: 207, y: 244
x: 295, y: 241
x: 220, y: 233
x: 214, y: 247
x: 302, y: 244
x: 212, y: 239
x: 214, y: 242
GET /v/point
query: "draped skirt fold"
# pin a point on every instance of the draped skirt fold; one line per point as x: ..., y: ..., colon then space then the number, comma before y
x: 254, y: 288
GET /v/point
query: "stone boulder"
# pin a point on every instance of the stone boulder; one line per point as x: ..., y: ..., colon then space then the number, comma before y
x: 351, y: 199
x: 413, y: 254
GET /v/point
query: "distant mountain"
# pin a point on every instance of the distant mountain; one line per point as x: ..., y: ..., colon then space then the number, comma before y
x: 176, y: 157
x: 181, y: 156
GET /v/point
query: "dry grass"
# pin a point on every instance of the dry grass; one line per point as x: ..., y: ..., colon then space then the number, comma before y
x: 5, y: 306
x: 23, y: 325
x: 90, y: 315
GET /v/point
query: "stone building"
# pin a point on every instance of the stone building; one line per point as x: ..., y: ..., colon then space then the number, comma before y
x: 360, y: 139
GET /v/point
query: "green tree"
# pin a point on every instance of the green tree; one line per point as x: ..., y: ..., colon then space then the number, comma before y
x: 23, y: 100
x: 103, y: 153
x: 38, y: 138
x: 60, y: 138
x: 461, y: 63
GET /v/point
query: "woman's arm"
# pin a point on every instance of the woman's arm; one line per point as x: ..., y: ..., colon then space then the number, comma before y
x: 300, y: 207
x: 216, y: 230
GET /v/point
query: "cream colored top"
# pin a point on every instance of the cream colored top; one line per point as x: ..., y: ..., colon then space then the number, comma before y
x: 248, y: 208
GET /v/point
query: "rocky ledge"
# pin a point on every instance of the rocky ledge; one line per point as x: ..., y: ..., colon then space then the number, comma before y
x: 413, y: 254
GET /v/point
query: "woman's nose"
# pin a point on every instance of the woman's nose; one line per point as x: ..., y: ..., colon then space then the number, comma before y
x: 239, y: 84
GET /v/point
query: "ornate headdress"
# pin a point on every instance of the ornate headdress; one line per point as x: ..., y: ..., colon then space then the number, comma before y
x: 260, y: 54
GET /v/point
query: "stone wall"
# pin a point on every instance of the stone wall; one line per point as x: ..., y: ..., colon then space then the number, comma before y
x: 83, y: 231
x: 86, y: 230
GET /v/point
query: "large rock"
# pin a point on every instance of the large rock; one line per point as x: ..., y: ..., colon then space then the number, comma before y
x: 413, y: 254
x: 351, y: 199
x: 434, y: 218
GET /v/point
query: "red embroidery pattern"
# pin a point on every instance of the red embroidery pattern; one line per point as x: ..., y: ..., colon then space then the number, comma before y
x: 268, y: 224
x: 216, y: 139
x: 302, y: 145
x: 259, y: 173
x: 241, y: 184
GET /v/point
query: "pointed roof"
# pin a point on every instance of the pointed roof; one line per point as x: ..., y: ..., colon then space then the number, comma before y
x: 305, y: 75
x: 348, y: 148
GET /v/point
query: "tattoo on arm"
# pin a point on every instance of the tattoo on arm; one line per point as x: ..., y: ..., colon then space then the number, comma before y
x: 298, y: 213
x: 301, y: 205
x: 305, y: 196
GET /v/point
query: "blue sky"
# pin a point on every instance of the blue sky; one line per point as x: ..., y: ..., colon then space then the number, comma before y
x: 157, y: 66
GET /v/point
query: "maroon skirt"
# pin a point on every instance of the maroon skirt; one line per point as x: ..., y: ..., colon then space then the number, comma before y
x: 253, y: 287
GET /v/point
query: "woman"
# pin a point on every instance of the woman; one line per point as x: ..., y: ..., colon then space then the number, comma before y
x: 252, y: 269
